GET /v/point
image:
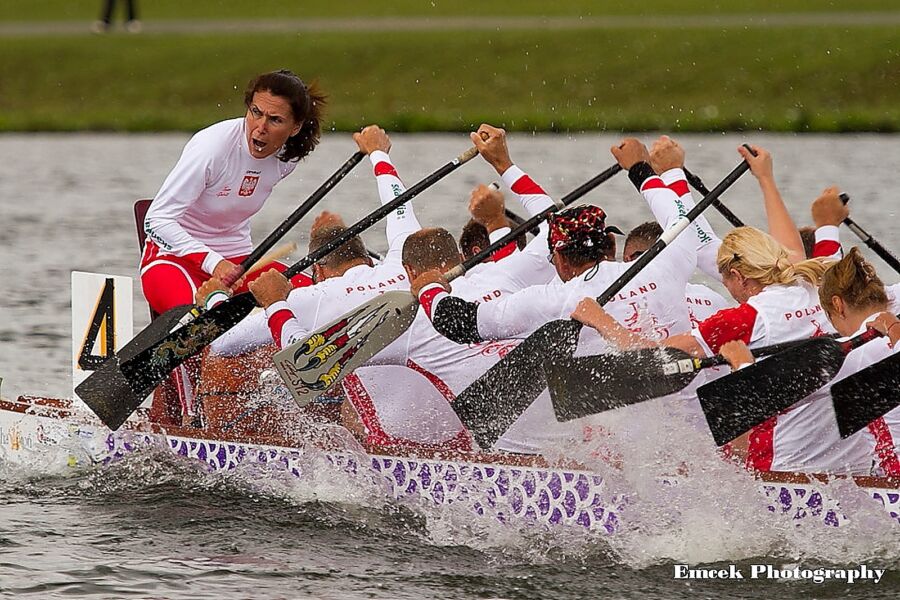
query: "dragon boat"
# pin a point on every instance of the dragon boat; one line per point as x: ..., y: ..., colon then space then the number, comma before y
x: 243, y: 427
x: 512, y: 489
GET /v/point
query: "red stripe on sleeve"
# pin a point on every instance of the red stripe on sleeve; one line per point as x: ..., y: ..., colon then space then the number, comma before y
x: 826, y: 248
x: 428, y: 298
x: 727, y: 325
x: 504, y: 251
x: 652, y: 183
x: 385, y: 168
x: 525, y: 185
x: 680, y: 187
x: 276, y: 324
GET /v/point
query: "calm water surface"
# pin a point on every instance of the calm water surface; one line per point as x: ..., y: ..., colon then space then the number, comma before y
x: 156, y: 527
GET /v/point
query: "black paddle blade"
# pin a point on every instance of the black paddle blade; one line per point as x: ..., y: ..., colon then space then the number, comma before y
x: 496, y: 399
x: 589, y: 385
x: 867, y: 395
x: 738, y: 402
x: 106, y: 391
x: 158, y: 328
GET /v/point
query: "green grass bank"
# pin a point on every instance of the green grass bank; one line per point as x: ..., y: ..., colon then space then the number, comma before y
x: 826, y: 78
x: 64, y: 10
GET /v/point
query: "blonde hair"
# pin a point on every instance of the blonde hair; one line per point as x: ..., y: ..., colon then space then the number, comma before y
x: 756, y: 255
x: 854, y: 280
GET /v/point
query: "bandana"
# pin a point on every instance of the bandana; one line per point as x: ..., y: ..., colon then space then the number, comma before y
x: 582, y: 226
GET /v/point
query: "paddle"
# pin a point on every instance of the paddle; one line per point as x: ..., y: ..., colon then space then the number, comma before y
x: 587, y: 385
x: 697, y: 184
x: 311, y: 366
x: 885, y: 254
x: 178, y: 315
x: 115, y: 390
x: 866, y: 395
x: 738, y: 402
x: 496, y: 399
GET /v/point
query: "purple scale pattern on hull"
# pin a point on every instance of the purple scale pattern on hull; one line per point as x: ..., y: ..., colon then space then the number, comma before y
x: 509, y: 494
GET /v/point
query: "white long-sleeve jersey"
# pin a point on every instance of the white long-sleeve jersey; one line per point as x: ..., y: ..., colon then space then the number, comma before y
x: 707, y: 241
x: 806, y: 438
x: 319, y: 304
x: 204, y: 206
x: 447, y: 366
x: 651, y: 304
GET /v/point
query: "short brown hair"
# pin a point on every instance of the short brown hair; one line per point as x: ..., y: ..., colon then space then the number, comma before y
x: 352, y: 249
x: 475, y: 235
x: 430, y: 248
x: 854, y: 280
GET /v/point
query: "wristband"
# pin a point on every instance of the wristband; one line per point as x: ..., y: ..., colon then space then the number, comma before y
x: 214, y: 298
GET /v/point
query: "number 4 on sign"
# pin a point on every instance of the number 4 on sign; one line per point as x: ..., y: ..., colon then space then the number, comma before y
x: 101, y: 320
x: 102, y: 325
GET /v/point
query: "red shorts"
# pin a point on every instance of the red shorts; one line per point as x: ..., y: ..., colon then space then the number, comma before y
x: 169, y: 281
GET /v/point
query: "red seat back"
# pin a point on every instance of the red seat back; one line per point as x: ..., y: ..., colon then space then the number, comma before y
x: 140, y: 211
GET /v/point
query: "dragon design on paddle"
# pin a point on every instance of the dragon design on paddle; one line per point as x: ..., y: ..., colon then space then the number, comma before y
x: 192, y: 338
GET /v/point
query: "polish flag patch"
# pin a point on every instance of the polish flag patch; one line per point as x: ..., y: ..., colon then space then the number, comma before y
x: 248, y: 186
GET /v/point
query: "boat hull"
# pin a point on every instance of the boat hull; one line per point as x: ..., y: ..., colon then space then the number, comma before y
x: 43, y: 431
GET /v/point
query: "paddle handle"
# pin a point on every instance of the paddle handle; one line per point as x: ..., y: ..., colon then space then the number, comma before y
x: 382, y: 212
x: 534, y: 221
x: 671, y: 233
x: 301, y: 211
x: 876, y: 247
x: 698, y: 185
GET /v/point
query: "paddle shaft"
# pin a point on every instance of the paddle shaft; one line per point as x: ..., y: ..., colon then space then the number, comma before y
x: 517, y: 220
x: 382, y: 212
x: 876, y: 247
x: 533, y: 222
x: 301, y: 211
x: 697, y: 184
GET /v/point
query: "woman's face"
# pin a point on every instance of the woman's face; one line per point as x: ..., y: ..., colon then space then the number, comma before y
x: 270, y: 123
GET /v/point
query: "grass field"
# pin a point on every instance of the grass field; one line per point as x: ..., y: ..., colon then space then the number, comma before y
x: 52, y: 10
x: 803, y: 78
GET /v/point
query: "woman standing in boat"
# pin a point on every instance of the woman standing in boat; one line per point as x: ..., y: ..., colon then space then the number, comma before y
x: 198, y: 225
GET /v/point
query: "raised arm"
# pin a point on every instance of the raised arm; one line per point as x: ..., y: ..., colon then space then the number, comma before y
x: 401, y: 222
x: 828, y: 212
x: 781, y: 225
x: 669, y: 165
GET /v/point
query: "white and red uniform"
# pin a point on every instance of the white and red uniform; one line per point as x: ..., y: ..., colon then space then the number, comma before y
x: 448, y: 367
x: 828, y: 243
x: 326, y: 301
x: 806, y: 437
x: 645, y: 305
x: 779, y: 313
x: 703, y: 302
x: 201, y: 214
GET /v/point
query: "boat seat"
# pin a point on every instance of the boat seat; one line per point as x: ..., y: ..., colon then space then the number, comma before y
x: 140, y: 211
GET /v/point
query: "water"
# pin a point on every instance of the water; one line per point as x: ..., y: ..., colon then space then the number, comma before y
x: 155, y: 526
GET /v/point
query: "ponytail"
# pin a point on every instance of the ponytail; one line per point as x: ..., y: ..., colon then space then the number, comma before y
x: 757, y: 255
x: 854, y: 280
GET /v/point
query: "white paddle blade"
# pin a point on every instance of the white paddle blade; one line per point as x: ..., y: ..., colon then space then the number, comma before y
x: 312, y: 366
